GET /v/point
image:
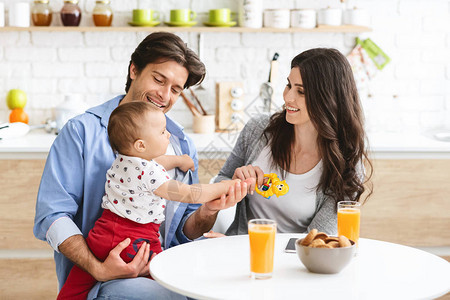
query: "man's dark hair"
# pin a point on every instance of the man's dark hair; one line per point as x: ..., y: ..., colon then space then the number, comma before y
x: 159, y: 47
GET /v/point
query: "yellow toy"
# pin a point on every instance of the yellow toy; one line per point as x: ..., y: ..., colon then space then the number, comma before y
x: 273, y: 186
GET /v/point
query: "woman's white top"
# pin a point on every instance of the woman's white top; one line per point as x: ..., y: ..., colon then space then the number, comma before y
x: 293, y: 211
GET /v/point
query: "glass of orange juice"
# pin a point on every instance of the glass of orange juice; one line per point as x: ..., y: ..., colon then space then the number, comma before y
x: 261, y: 234
x: 348, y: 219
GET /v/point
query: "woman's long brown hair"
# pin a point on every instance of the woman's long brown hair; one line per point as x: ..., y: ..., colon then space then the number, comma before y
x: 334, y: 109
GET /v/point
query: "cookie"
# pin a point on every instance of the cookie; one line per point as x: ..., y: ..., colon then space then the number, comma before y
x: 321, y: 235
x: 316, y: 243
x: 333, y: 244
x: 344, y: 241
x: 309, y: 238
x: 331, y: 239
x: 324, y: 246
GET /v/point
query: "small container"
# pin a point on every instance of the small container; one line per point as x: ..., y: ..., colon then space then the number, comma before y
x: 71, y: 13
x: 2, y: 14
x: 276, y: 18
x: 102, y: 14
x: 41, y: 13
x: 330, y: 16
x: 19, y: 14
x: 303, y: 18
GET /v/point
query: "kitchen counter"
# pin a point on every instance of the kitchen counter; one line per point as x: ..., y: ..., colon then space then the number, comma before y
x: 36, y: 144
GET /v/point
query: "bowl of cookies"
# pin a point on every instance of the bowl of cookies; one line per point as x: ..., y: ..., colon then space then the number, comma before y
x: 325, y: 254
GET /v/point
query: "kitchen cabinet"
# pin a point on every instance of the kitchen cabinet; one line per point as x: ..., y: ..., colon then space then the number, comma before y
x: 322, y: 28
x: 410, y: 204
x: 19, y: 184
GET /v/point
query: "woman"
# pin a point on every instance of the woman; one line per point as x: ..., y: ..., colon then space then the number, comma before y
x: 317, y: 144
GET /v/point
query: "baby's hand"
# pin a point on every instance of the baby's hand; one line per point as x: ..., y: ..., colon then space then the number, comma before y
x: 186, y: 163
x: 229, y: 183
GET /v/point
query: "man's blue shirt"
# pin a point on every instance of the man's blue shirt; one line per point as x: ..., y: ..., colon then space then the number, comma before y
x: 73, y: 182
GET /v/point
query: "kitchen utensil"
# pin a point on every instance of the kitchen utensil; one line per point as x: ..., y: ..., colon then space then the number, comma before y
x: 16, y: 129
x: 181, y: 24
x: 221, y: 15
x: 200, y: 55
x: 266, y: 90
x: 142, y: 15
x: 221, y: 24
x: 190, y: 105
x: 198, y: 101
x: 145, y: 24
x: 183, y: 15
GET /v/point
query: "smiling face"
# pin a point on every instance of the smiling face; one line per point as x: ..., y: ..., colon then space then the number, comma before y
x: 158, y: 83
x: 294, y: 99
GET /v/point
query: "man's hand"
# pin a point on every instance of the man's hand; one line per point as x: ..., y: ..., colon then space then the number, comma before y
x: 76, y: 249
x: 146, y: 269
x: 114, y: 267
x: 202, y: 220
x: 235, y: 194
x: 186, y: 163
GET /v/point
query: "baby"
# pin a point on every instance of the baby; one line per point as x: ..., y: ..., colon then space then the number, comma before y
x: 137, y: 186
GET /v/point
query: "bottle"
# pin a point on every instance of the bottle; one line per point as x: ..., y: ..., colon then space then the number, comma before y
x: 102, y: 13
x: 71, y: 13
x: 41, y: 13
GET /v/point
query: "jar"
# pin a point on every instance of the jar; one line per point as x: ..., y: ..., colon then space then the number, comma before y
x: 102, y: 13
x: 41, y: 13
x: 71, y: 13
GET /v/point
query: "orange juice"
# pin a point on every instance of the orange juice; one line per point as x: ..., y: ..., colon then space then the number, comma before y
x: 262, y: 241
x: 348, y: 220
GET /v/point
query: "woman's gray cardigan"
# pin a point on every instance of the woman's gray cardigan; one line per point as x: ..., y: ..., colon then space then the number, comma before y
x: 248, y: 146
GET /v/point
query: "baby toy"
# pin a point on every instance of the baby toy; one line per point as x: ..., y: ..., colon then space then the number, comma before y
x: 273, y: 186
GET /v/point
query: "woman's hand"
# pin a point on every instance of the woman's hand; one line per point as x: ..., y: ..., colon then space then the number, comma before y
x: 211, y: 234
x: 250, y: 171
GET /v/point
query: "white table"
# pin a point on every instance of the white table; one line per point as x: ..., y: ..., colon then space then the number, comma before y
x: 219, y: 269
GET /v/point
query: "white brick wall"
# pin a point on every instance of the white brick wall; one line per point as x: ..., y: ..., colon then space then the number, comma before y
x: 411, y: 93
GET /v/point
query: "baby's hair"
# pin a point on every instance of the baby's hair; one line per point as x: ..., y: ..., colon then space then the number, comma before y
x: 125, y: 124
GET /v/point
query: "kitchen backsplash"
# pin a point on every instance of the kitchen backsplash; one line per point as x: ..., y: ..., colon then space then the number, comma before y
x: 412, y: 93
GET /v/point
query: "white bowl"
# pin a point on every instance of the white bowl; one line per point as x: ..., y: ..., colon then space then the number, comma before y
x: 325, y: 260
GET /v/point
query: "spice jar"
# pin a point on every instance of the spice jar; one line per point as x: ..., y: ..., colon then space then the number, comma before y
x: 41, y: 13
x: 102, y: 13
x: 71, y: 13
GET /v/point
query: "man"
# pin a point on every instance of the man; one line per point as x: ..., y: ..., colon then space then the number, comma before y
x: 72, y: 185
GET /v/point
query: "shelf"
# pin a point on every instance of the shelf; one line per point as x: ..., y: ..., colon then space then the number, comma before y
x: 342, y: 28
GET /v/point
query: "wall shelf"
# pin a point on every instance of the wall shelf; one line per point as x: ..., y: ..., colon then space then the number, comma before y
x: 332, y: 29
